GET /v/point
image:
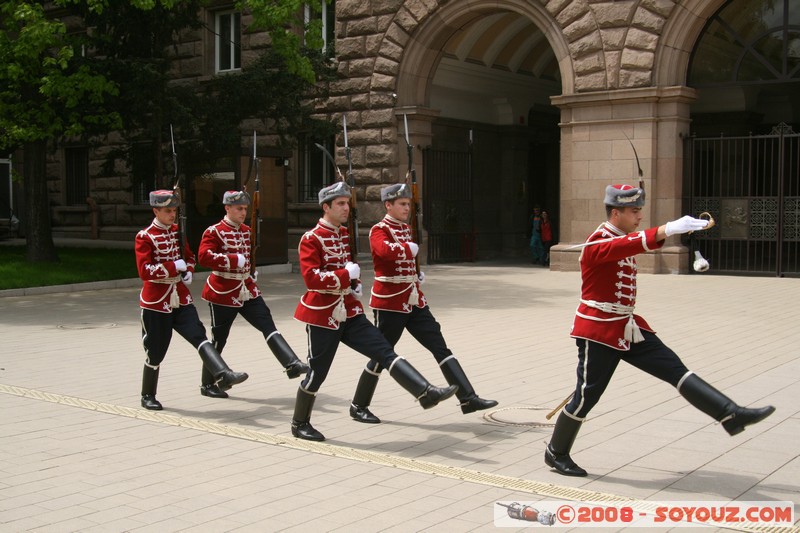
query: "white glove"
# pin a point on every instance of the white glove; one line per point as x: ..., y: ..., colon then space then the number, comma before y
x: 414, y: 248
x: 358, y: 292
x: 353, y: 269
x: 684, y: 225
x: 240, y: 260
x: 254, y: 275
x: 421, y: 277
x: 187, y: 278
x: 180, y: 265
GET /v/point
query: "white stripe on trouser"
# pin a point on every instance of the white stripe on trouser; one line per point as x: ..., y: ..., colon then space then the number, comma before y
x: 680, y: 382
x: 451, y: 356
x: 144, y: 343
x: 583, y: 386
x: 310, y: 373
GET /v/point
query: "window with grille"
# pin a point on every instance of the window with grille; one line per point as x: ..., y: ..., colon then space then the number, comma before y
x: 143, y: 173
x: 228, y: 51
x: 317, y: 171
x: 76, y: 173
x: 327, y: 15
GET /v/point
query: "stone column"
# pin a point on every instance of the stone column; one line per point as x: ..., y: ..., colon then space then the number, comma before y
x: 595, y: 152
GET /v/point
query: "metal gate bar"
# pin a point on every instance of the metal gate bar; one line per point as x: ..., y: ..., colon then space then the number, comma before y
x: 448, y: 206
x: 751, y: 186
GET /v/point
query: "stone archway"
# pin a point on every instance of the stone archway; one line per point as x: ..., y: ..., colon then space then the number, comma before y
x: 678, y: 38
x: 427, y: 46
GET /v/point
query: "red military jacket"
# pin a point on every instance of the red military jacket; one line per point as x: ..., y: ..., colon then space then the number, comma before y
x: 328, y: 301
x: 227, y: 284
x: 608, y: 290
x: 396, y: 286
x: 156, y: 249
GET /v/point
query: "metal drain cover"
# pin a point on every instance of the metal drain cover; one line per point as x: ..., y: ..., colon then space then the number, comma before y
x: 520, y: 416
x: 87, y: 325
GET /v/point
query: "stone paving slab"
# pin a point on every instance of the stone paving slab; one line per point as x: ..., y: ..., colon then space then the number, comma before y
x: 79, y: 454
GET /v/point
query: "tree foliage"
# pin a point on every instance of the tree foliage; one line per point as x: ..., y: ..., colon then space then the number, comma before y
x: 113, y: 73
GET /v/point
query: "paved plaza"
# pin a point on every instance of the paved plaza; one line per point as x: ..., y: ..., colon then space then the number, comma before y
x: 78, y: 453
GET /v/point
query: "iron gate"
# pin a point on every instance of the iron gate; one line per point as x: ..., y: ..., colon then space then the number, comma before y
x: 447, y: 205
x: 751, y: 186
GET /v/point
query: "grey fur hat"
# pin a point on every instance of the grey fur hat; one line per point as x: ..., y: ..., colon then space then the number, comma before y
x: 393, y: 192
x: 336, y: 190
x: 164, y: 198
x: 236, y: 198
x: 624, y: 196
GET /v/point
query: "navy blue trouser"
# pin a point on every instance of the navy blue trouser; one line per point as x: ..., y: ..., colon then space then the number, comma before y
x: 597, y: 363
x: 157, y: 331
x: 356, y: 333
x: 255, y: 311
x: 420, y: 323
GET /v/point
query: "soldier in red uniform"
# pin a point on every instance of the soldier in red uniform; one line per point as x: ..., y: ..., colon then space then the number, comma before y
x: 607, y: 331
x: 166, y: 302
x: 231, y: 289
x: 332, y: 314
x: 399, y: 304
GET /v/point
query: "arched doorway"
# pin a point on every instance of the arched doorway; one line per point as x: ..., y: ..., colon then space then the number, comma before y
x: 475, y: 84
x: 743, y: 158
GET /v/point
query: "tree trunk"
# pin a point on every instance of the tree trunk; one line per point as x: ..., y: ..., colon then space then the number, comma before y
x: 39, y: 233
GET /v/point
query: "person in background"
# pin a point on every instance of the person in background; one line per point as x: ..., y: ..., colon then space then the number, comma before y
x: 548, y: 236
x: 537, y: 248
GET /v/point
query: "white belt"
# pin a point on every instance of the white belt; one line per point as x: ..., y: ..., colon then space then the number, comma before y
x: 231, y: 275
x: 174, y: 299
x: 608, y: 307
x: 340, y: 313
x: 166, y: 281
x: 397, y: 279
x: 632, y: 331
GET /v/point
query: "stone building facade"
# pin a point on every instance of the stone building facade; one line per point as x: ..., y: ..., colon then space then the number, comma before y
x: 622, y: 70
x: 538, y: 102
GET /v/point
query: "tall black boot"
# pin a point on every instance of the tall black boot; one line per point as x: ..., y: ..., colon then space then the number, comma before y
x: 557, y: 453
x: 719, y: 407
x: 415, y: 383
x: 149, y: 386
x: 224, y: 377
x: 286, y: 356
x: 301, y: 421
x: 359, y: 408
x: 208, y: 387
x: 454, y: 374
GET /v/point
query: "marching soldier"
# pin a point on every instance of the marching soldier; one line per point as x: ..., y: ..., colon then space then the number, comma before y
x: 166, y: 302
x: 399, y: 304
x: 607, y: 330
x: 231, y: 289
x: 332, y: 314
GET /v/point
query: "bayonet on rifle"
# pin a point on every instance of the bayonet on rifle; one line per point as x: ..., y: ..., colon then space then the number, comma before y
x: 411, y: 181
x: 352, y: 220
x: 255, y: 215
x: 176, y: 188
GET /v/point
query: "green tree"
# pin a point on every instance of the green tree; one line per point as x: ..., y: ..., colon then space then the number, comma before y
x: 48, y: 92
x: 44, y: 95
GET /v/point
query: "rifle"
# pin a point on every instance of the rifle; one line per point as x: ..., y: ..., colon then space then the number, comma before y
x: 411, y: 181
x: 352, y: 219
x: 176, y: 188
x: 255, y: 215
